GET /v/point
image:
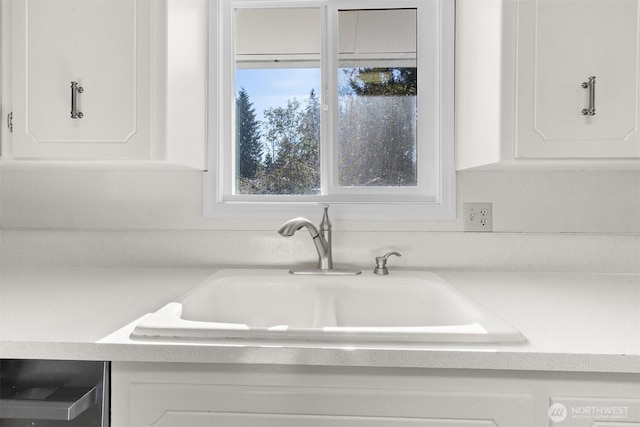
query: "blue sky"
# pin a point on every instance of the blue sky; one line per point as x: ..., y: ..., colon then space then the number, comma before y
x: 272, y: 87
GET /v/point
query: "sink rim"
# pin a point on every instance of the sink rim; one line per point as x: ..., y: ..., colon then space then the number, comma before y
x: 167, y: 322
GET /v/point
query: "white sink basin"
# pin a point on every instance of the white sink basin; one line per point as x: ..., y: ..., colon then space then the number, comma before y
x: 405, y: 306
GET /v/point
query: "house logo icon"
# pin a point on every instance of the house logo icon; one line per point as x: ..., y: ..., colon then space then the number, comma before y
x: 557, y: 412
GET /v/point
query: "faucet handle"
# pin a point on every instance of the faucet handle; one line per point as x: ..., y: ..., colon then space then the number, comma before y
x: 325, y: 224
x: 381, y: 263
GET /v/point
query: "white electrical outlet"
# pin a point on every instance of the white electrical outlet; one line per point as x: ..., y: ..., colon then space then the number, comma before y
x: 477, y: 216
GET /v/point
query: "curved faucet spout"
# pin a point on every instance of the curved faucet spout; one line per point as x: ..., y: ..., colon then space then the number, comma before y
x: 290, y: 227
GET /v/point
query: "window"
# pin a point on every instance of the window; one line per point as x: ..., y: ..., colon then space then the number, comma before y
x: 345, y: 102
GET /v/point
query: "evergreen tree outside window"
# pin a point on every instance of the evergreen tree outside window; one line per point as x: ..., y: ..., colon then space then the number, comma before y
x: 248, y: 143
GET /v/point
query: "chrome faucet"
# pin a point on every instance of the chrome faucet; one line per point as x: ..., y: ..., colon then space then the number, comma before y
x: 322, y: 240
x: 323, y: 244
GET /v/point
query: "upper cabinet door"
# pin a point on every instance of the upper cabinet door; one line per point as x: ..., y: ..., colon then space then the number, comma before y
x: 561, y: 44
x: 105, y: 47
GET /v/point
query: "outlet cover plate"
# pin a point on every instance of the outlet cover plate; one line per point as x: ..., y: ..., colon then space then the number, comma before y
x: 477, y: 216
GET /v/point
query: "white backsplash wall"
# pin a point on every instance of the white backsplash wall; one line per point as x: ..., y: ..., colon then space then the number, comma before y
x: 530, y: 252
x: 574, y: 221
x: 523, y: 202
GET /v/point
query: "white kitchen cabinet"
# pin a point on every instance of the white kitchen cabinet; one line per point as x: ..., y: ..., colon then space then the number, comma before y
x: 230, y: 395
x: 561, y: 44
x: 267, y: 406
x: 520, y: 66
x: 174, y: 394
x: 141, y: 65
x: 106, y: 48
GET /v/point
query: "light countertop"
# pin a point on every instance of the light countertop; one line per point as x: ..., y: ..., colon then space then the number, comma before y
x: 573, y: 322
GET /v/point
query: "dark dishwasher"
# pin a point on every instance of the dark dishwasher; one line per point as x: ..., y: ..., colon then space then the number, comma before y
x: 54, y: 393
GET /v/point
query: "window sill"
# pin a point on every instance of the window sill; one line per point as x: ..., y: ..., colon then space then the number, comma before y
x: 445, y: 210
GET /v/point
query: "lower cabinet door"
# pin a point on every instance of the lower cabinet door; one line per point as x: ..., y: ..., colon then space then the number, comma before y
x: 185, y: 405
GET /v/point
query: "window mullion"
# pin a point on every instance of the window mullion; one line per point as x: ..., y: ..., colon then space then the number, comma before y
x: 329, y: 100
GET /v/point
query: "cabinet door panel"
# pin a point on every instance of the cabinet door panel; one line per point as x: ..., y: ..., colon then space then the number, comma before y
x: 166, y: 404
x: 104, y: 46
x: 560, y: 45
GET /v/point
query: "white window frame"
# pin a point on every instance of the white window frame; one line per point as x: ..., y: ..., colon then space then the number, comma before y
x: 434, y: 201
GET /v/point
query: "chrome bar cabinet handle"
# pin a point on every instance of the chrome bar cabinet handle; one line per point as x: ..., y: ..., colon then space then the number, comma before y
x: 75, y: 90
x: 591, y: 85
